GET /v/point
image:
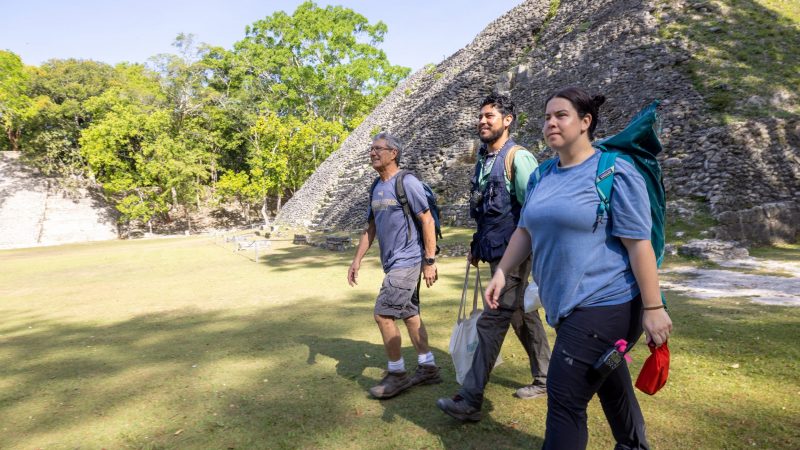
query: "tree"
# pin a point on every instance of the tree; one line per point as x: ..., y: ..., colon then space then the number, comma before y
x: 294, y: 87
x: 51, y: 135
x: 312, y: 142
x: 16, y: 106
x: 252, y: 122
x: 236, y: 186
x: 113, y: 149
x: 269, y: 157
x: 148, y: 145
x: 318, y: 62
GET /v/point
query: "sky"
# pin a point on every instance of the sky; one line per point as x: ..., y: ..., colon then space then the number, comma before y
x: 113, y: 31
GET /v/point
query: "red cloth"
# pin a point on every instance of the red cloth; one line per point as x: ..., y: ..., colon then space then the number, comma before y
x: 655, y: 370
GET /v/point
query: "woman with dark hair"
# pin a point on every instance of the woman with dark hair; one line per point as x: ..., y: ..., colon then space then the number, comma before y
x: 597, y: 282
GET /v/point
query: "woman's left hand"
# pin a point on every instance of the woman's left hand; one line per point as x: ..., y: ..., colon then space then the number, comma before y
x: 657, y: 326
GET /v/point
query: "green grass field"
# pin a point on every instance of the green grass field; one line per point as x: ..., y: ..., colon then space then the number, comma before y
x: 182, y: 343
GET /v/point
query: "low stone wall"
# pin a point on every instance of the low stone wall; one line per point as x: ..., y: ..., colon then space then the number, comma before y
x: 763, y: 224
x: 456, y: 215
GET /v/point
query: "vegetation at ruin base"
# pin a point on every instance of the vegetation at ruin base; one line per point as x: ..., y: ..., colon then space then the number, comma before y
x: 745, y: 54
x: 184, y: 343
x: 244, y: 125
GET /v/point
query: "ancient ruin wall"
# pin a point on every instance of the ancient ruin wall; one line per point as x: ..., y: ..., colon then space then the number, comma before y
x: 748, y: 173
x: 35, y: 211
x: 433, y: 111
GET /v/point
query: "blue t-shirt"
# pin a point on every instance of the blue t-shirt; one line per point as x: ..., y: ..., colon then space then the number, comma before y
x: 391, y: 223
x: 572, y: 265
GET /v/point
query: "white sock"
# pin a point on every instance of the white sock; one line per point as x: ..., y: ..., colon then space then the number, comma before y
x: 426, y: 359
x: 397, y: 366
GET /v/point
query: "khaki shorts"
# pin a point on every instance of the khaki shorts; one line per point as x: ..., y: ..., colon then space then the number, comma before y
x: 399, y: 295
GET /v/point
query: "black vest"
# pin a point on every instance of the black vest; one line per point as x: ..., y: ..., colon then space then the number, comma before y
x: 497, y: 214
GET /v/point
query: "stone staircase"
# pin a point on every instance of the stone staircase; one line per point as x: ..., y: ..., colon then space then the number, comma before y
x: 34, y: 211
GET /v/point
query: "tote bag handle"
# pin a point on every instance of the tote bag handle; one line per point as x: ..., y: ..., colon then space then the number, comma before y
x: 462, y: 309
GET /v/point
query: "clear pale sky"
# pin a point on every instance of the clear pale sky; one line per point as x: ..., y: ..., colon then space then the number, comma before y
x: 111, y: 31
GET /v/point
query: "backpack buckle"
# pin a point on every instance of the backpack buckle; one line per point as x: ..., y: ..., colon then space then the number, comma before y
x: 597, y: 222
x: 601, y: 212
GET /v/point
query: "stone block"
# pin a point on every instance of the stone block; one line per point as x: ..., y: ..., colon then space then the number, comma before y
x: 713, y: 249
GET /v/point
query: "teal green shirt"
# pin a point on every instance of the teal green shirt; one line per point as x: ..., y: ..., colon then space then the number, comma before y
x: 524, y: 164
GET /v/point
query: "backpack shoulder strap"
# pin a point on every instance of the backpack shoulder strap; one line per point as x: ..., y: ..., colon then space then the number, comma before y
x: 604, y: 182
x: 371, y: 191
x: 402, y: 199
x: 510, y: 162
x: 537, y: 174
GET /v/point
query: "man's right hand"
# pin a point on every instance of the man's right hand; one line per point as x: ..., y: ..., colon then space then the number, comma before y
x: 495, y: 288
x: 352, y: 273
x: 472, y: 260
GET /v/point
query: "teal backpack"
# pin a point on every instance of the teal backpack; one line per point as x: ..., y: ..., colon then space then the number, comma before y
x: 638, y: 144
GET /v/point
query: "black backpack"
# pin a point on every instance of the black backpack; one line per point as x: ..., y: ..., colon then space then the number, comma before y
x: 402, y: 198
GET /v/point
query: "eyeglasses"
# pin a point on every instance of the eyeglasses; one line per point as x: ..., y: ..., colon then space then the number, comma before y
x: 377, y: 149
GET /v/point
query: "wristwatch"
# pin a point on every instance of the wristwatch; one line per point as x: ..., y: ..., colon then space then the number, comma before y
x: 429, y: 261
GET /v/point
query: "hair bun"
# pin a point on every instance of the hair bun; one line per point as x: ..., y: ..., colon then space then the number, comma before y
x: 598, y: 100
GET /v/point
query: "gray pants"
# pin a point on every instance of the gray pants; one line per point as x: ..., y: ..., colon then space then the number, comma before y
x: 492, y: 328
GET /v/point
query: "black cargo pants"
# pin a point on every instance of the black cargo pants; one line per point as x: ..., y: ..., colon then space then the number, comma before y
x: 492, y: 328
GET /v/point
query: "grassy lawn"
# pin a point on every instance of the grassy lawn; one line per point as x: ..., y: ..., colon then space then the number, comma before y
x: 182, y: 343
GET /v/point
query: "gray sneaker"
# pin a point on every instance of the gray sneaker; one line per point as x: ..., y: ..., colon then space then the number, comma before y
x: 458, y: 408
x: 426, y: 374
x: 391, y: 384
x: 531, y: 391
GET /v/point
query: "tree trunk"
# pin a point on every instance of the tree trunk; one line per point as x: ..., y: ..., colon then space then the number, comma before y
x: 13, y: 138
x: 150, y: 225
x: 188, y: 220
x: 264, y: 213
x: 174, y: 197
x: 278, y: 206
x: 245, y: 206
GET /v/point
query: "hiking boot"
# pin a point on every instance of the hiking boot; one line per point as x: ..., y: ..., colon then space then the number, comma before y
x: 426, y: 374
x: 458, y: 408
x: 391, y: 384
x: 531, y: 391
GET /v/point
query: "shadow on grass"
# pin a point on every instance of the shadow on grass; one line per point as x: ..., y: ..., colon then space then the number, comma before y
x: 304, y: 256
x: 296, y: 377
x: 421, y: 409
x: 199, y: 379
x: 66, y: 374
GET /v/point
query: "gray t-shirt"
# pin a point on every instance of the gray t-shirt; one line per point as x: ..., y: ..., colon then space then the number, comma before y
x: 573, y: 265
x: 398, y: 249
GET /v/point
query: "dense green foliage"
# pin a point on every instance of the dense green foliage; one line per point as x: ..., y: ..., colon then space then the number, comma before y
x: 247, y: 124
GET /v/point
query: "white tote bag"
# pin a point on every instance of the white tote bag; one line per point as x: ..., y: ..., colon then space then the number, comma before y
x: 531, y: 299
x: 464, y: 340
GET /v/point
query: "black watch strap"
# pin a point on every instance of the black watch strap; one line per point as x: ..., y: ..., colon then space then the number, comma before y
x: 429, y: 261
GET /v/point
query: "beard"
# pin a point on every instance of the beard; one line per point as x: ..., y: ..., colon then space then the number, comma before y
x: 491, y: 137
